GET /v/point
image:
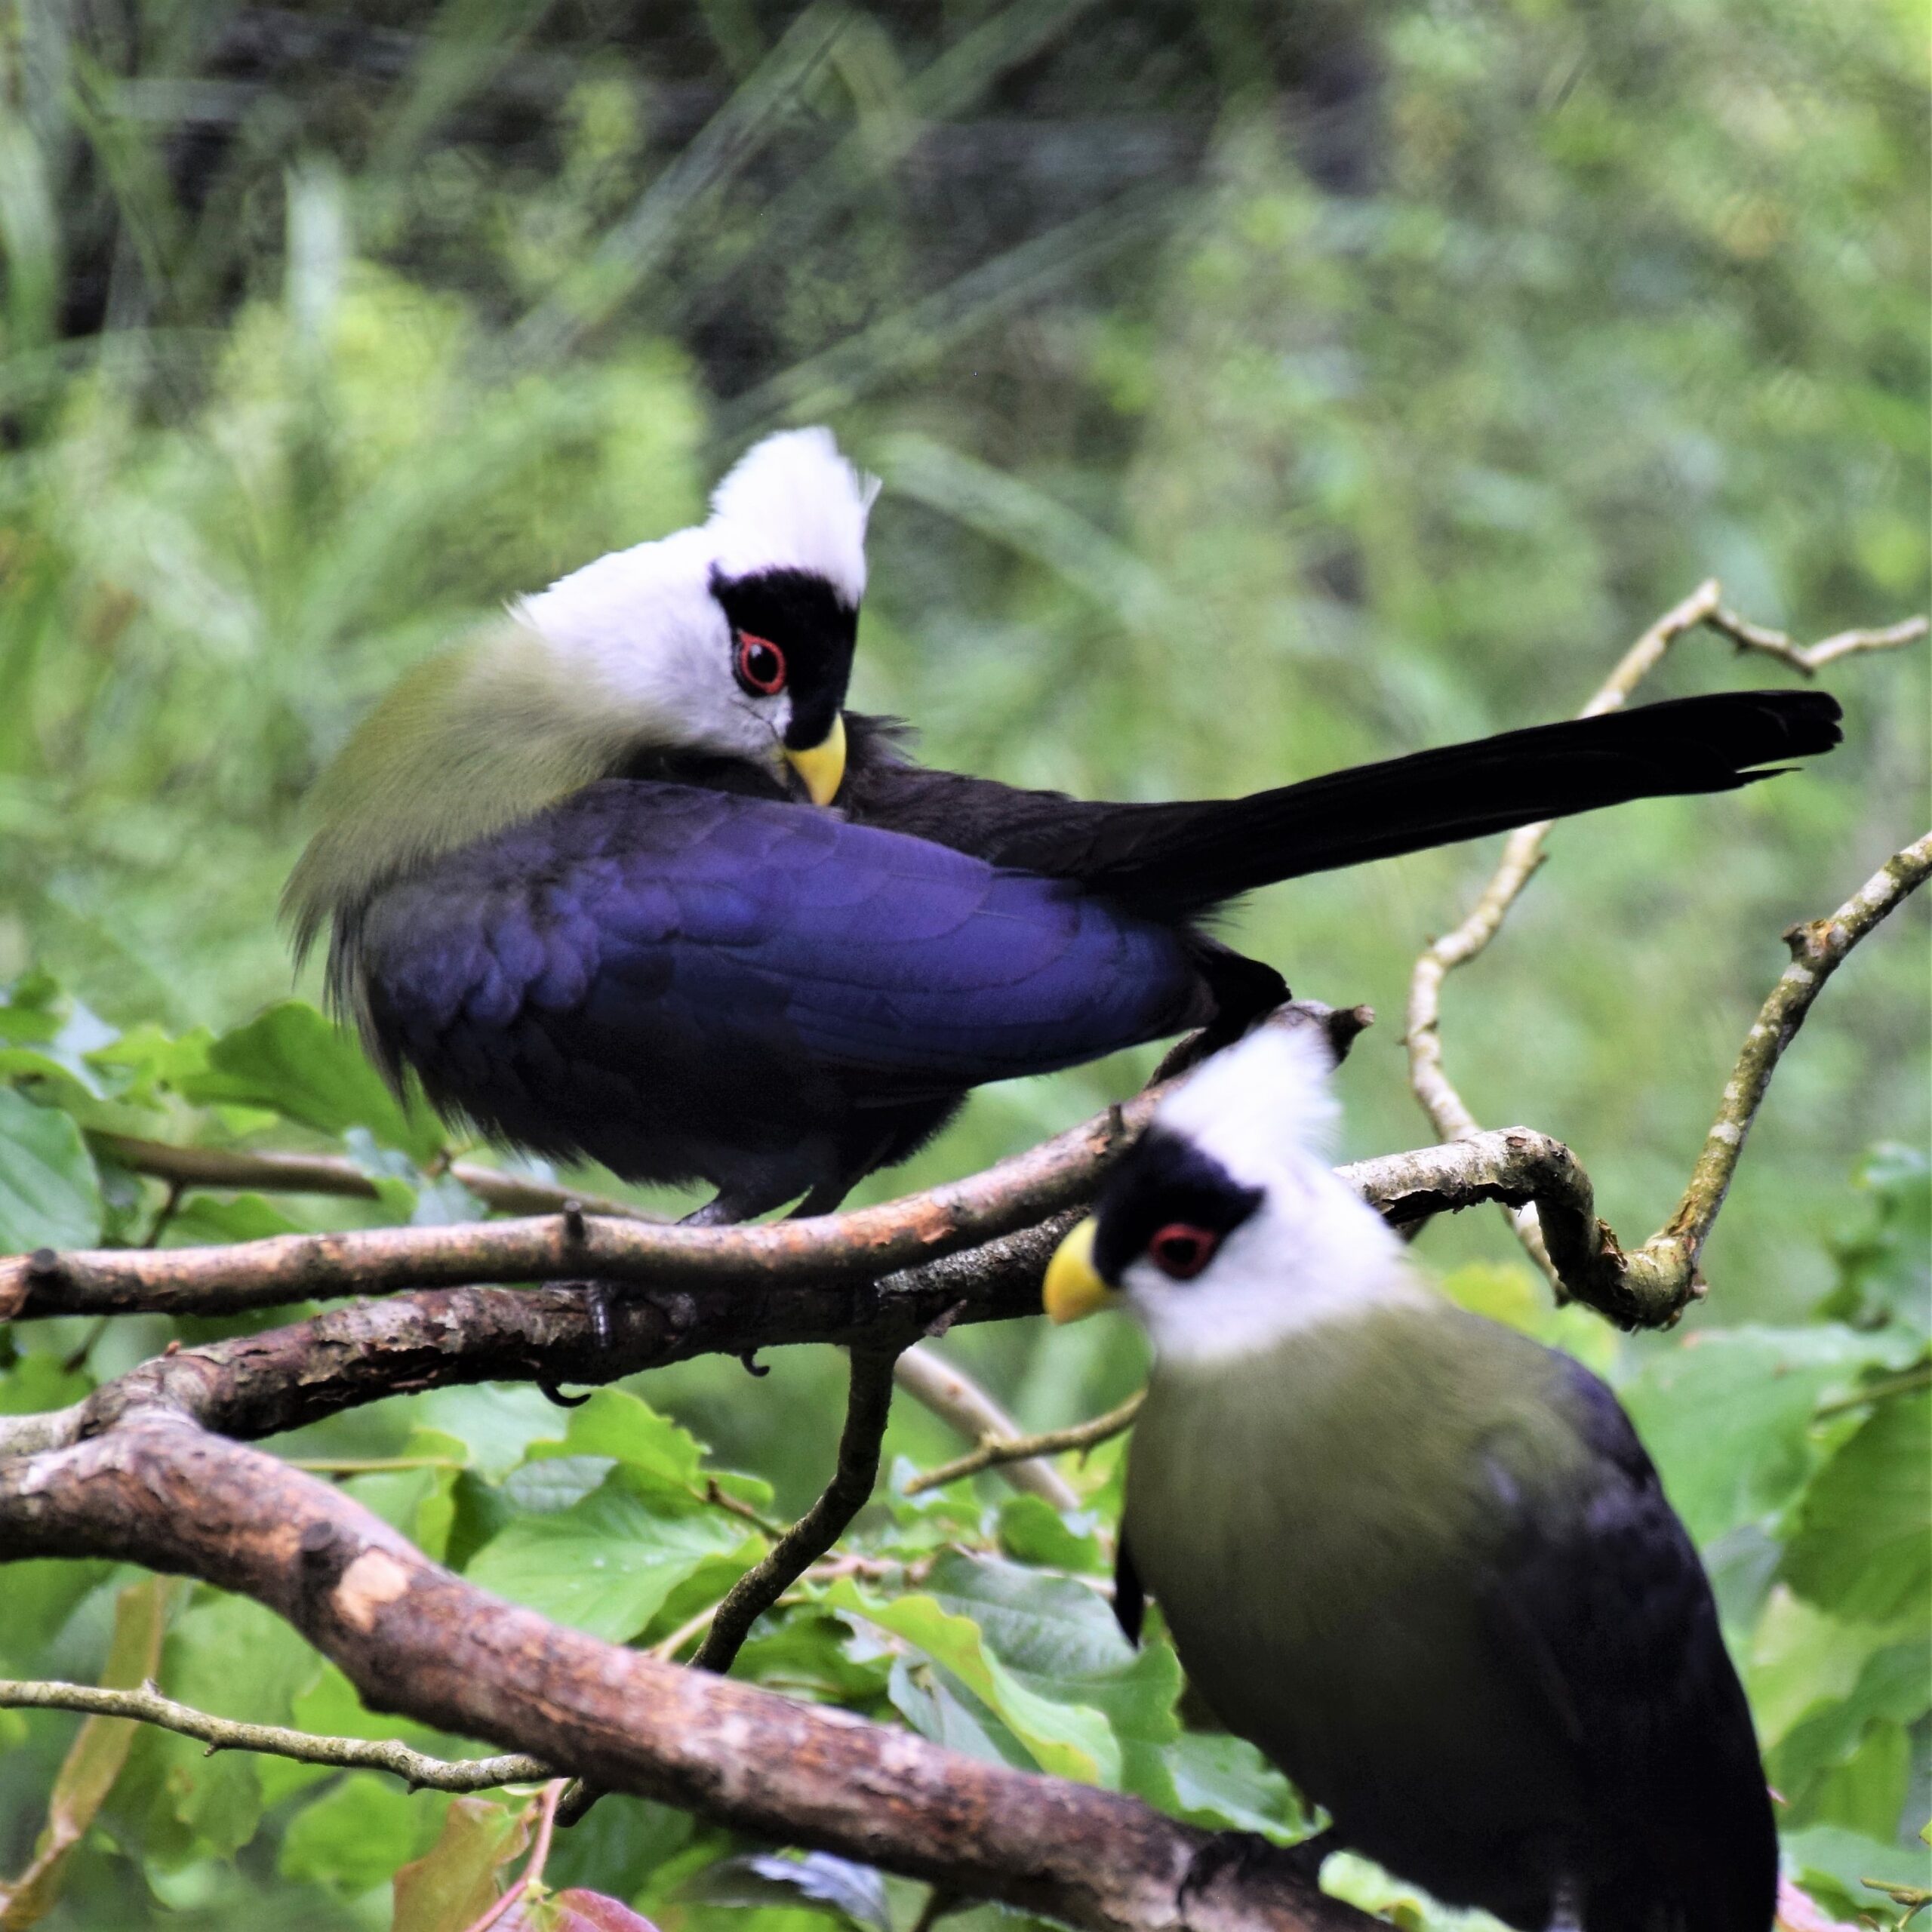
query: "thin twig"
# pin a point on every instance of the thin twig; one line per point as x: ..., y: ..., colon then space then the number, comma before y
x: 868, y: 1408
x: 952, y: 1396
x: 146, y: 1706
x: 1523, y: 854
x: 1881, y: 1389
x: 1051, y: 1442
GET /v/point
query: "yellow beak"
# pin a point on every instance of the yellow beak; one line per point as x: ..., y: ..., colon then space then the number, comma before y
x: 822, y: 767
x: 1072, y: 1289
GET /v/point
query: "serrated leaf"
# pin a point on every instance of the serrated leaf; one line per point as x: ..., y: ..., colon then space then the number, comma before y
x: 817, y: 1881
x: 355, y: 1835
x: 1756, y: 1391
x: 97, y: 1757
x: 460, y: 1876
x: 1861, y: 1548
x: 1069, y: 1740
x: 292, y: 1061
x: 50, y: 1193
x: 607, y: 1563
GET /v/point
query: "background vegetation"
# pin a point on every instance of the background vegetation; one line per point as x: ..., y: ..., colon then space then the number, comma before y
x: 1256, y: 389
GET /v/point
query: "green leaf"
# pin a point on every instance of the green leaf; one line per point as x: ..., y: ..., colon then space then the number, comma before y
x: 50, y: 1194
x: 1754, y: 1391
x: 1861, y: 1548
x: 291, y: 1060
x: 1891, y: 1691
x: 1067, y: 1738
x: 1032, y: 1530
x: 36, y: 1383
x: 357, y: 1834
x: 606, y: 1564
x: 1829, y: 1862
x: 209, y: 1220
x: 462, y: 1875
x: 1224, y: 1782
x: 97, y: 1756
x: 231, y: 1656
x: 624, y: 1427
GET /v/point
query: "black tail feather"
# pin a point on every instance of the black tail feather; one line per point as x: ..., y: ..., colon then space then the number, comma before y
x: 1171, y: 861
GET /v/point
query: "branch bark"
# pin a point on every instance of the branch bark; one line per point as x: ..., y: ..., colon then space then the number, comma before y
x: 1050, y: 1442
x: 412, y: 1637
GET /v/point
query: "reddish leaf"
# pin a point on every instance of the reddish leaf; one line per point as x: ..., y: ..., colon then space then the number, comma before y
x: 573, y: 1911
x: 457, y: 1879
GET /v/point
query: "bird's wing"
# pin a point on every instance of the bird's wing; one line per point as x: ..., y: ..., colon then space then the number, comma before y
x: 632, y: 908
x: 1603, y: 1603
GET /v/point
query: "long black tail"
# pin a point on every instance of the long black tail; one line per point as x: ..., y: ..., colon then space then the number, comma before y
x: 1174, y: 860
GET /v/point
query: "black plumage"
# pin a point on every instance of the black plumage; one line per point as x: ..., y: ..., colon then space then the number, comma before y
x: 686, y: 974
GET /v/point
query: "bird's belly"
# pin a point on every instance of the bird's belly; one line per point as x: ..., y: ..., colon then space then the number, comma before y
x: 1326, y: 1615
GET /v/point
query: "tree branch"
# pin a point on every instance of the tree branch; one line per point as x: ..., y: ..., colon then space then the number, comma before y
x: 146, y: 1706
x: 1051, y: 1442
x: 413, y: 1638
x: 867, y: 1242
x: 1523, y: 855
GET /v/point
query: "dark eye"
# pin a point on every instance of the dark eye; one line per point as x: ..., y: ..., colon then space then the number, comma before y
x: 1180, y: 1251
x: 761, y: 665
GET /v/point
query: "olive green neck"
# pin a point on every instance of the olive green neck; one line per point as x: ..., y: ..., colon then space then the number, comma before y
x: 467, y: 743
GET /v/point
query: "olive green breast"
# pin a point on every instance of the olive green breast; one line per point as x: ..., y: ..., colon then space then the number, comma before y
x: 1323, y: 1524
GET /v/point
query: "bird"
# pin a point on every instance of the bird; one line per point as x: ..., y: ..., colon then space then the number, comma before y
x: 1420, y: 1560
x: 619, y: 877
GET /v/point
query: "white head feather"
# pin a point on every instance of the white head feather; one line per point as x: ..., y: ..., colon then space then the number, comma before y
x: 793, y: 503
x: 639, y: 631
x: 1312, y: 1251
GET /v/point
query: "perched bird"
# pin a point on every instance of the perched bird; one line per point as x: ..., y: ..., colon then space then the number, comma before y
x: 616, y: 882
x: 1419, y: 1559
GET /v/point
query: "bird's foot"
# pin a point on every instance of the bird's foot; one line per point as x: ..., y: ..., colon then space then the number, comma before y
x: 1236, y: 1854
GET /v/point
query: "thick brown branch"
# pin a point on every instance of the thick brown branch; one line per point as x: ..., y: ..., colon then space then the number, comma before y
x: 569, y: 1244
x: 416, y: 1639
x: 254, y: 1385
x: 1050, y: 1442
x: 867, y: 1242
x: 146, y: 1706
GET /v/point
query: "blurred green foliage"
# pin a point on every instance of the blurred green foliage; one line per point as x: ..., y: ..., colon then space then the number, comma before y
x: 1448, y: 347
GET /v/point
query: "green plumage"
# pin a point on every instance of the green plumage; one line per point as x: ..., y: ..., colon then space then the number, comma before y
x: 1321, y: 1525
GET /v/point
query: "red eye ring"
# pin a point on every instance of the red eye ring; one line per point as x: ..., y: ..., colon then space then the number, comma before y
x: 761, y: 665
x: 1180, y: 1250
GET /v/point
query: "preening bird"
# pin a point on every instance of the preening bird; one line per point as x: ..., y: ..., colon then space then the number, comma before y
x: 619, y: 878
x: 1420, y: 1560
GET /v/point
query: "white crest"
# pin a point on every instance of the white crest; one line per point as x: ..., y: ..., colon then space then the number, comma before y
x: 1313, y: 1252
x: 793, y: 503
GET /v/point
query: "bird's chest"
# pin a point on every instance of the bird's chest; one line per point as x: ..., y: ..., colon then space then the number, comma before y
x: 1314, y: 1526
